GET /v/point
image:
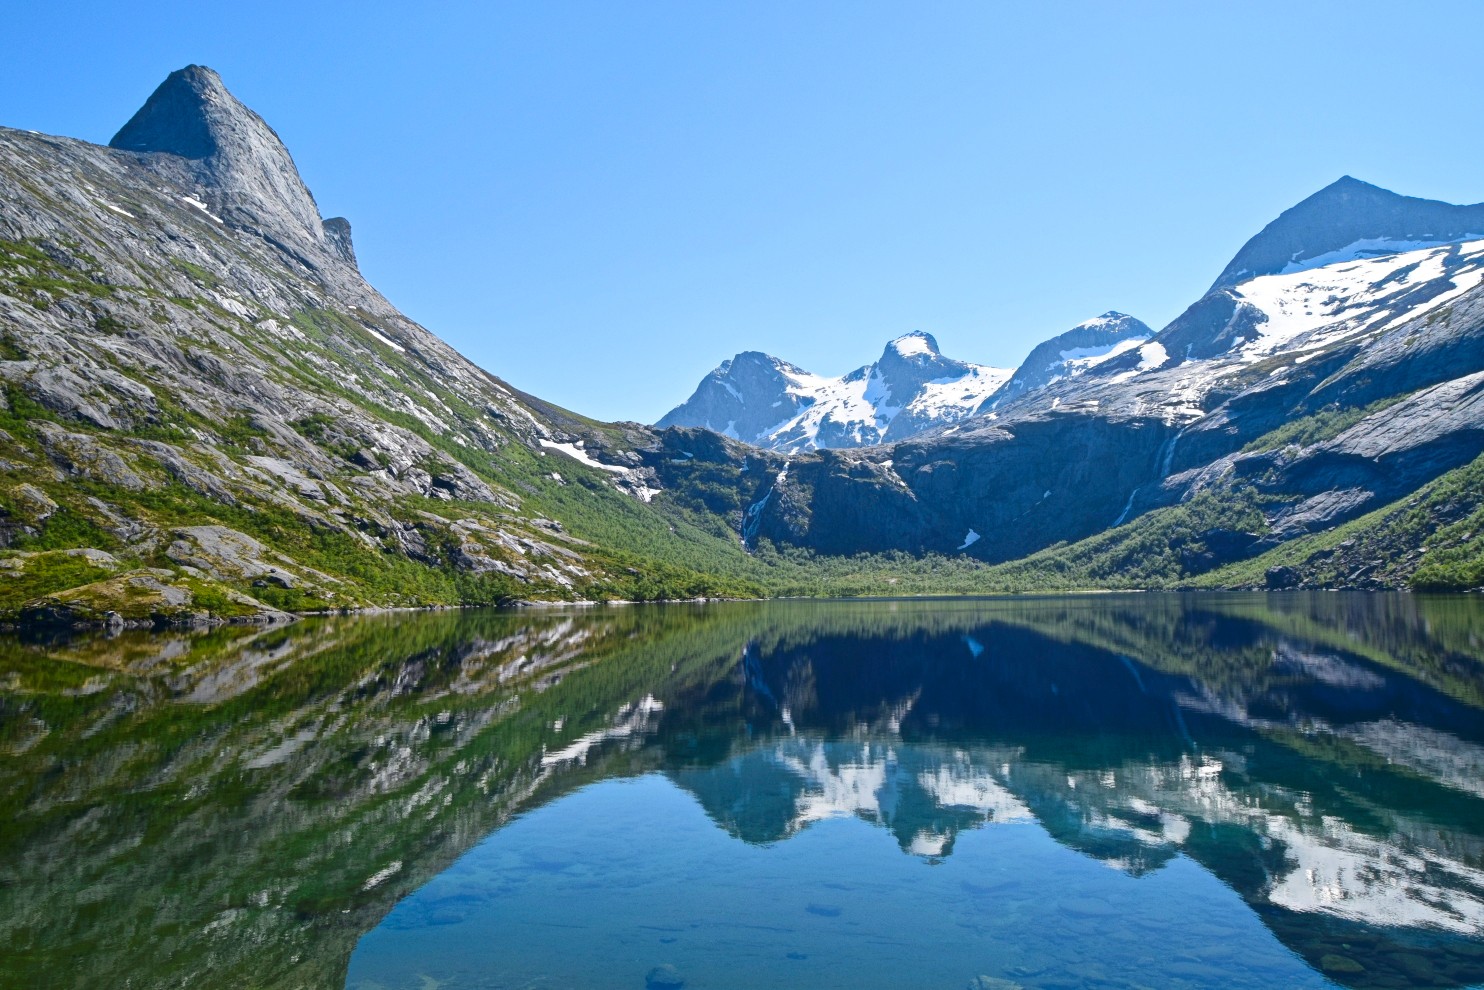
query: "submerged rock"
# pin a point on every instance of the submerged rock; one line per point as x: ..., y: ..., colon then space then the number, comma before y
x: 665, y: 977
x: 993, y: 983
x: 1333, y: 962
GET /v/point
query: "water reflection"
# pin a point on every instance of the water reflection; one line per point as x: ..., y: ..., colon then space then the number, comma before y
x: 242, y: 806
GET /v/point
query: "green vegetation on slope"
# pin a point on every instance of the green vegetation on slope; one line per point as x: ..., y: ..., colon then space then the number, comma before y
x: 1432, y: 540
x: 589, y: 540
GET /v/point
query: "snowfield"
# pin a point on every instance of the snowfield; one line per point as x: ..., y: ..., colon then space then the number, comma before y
x: 1313, y: 307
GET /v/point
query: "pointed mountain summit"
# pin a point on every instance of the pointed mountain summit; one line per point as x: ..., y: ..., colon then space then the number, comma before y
x: 245, y: 173
x: 1350, y: 219
x: 1353, y: 243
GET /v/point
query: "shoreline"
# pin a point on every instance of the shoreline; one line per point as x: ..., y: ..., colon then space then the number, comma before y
x: 114, y: 623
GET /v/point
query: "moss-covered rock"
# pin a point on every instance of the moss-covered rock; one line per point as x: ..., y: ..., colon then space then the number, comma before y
x: 142, y: 597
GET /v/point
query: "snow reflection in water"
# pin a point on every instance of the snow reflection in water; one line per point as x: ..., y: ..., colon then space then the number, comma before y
x: 1069, y: 815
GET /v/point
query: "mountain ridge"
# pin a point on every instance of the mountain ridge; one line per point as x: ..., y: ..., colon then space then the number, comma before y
x: 208, y: 414
x: 1354, y: 216
x: 1197, y: 425
x: 772, y: 403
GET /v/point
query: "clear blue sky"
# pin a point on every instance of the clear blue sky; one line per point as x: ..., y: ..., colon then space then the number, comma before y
x: 600, y: 201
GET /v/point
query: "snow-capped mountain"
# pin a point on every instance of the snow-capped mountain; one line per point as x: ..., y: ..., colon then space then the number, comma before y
x: 187, y: 323
x: 1290, y: 317
x: 766, y: 401
x: 1321, y: 385
x: 1067, y: 355
x: 1308, y: 309
x: 1346, y: 220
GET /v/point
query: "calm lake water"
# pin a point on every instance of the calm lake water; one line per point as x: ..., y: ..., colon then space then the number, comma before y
x: 1110, y: 791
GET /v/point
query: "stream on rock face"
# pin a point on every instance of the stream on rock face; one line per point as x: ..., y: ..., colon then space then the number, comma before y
x: 1202, y: 790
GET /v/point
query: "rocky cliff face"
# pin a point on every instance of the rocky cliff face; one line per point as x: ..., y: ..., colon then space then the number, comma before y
x: 201, y: 390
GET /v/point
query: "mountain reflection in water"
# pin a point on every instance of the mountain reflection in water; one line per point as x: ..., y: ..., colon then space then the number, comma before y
x: 240, y: 807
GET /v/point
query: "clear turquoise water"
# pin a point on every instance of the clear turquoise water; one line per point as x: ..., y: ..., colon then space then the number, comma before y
x: 1281, y: 790
x: 602, y: 887
x: 1130, y: 793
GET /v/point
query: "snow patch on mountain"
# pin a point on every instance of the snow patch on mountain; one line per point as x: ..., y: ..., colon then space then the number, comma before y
x: 1311, y: 308
x: 1078, y: 359
x: 1369, y: 247
x: 575, y: 451
x: 1152, y: 355
x: 913, y: 344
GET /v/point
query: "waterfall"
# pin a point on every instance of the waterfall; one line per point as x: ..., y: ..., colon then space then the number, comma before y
x: 1166, y: 460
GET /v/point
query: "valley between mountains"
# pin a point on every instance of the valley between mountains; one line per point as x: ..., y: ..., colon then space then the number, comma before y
x: 208, y: 414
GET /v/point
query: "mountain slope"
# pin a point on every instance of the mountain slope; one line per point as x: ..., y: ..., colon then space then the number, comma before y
x: 1346, y: 220
x: 200, y: 388
x: 765, y: 401
x: 1291, y: 403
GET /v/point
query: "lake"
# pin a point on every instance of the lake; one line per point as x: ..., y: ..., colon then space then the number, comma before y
x: 1204, y: 790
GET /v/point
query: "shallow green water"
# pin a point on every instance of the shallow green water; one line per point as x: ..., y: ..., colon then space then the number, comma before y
x: 1157, y: 791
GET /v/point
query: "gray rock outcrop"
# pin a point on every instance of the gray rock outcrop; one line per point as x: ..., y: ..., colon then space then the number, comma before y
x: 244, y: 171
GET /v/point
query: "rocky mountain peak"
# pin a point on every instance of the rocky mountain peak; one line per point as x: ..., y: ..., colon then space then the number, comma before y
x: 1349, y: 217
x: 918, y: 344
x: 175, y: 119
x: 245, y: 173
x: 1349, y: 185
x: 913, y: 359
x: 1110, y: 320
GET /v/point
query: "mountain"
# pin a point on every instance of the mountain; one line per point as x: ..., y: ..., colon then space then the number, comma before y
x: 768, y: 402
x: 911, y: 389
x: 1346, y: 220
x: 196, y: 131
x: 207, y: 411
x: 1322, y: 426
x: 1067, y: 355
